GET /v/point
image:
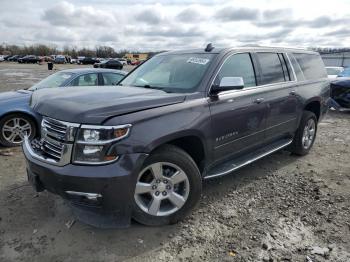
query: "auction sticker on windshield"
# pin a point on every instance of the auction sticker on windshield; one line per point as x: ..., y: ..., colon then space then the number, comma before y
x: 197, y: 60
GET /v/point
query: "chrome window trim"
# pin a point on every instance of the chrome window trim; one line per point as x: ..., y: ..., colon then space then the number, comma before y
x: 261, y: 87
x: 252, y: 87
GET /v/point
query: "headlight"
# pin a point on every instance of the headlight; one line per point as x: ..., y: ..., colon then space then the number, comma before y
x: 93, y: 143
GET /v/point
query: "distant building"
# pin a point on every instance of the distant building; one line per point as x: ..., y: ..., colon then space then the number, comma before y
x: 336, y: 59
x: 134, y: 57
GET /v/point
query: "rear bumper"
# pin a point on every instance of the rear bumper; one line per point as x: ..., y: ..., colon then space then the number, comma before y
x: 111, y: 187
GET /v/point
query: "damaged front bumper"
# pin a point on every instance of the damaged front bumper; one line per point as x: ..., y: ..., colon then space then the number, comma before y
x: 101, y: 196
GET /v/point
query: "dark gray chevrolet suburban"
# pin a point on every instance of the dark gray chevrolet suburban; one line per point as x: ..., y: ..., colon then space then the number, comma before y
x: 142, y: 149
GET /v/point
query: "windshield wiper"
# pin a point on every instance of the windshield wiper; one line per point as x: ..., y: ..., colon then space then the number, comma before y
x: 155, y: 87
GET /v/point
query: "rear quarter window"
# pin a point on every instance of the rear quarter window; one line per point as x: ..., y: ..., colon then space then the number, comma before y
x: 311, y: 65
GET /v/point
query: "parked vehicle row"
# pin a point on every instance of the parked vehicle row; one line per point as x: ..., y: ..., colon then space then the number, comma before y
x: 62, y: 59
x: 18, y: 120
x: 29, y: 59
x: 142, y: 149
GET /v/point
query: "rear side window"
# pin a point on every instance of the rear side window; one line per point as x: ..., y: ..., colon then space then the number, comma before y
x: 297, y: 69
x: 311, y: 65
x: 239, y: 65
x: 271, y: 68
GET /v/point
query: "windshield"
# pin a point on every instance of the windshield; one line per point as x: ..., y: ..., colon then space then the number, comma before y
x: 54, y: 80
x: 333, y: 70
x: 171, y: 73
x: 345, y: 73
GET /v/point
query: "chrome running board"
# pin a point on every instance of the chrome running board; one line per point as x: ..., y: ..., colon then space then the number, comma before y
x: 234, y: 164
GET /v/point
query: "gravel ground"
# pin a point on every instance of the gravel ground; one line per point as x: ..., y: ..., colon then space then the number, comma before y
x: 281, y: 208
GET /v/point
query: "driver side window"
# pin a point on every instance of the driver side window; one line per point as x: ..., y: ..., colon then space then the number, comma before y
x: 239, y: 65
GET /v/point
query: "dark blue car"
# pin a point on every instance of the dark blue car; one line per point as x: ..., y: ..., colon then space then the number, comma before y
x: 16, y: 117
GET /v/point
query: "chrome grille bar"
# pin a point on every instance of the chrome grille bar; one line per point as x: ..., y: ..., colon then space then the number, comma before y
x: 57, y: 140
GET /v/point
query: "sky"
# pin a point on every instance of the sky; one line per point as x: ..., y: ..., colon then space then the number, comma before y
x: 150, y: 25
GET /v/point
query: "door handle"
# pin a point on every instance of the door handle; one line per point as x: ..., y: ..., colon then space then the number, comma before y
x: 293, y: 93
x: 258, y: 100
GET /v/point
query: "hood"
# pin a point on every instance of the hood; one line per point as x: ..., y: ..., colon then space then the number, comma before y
x: 94, y: 105
x: 14, y: 95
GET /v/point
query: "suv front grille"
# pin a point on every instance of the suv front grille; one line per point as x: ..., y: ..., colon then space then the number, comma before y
x: 52, y: 149
x: 54, y: 129
x: 57, y: 140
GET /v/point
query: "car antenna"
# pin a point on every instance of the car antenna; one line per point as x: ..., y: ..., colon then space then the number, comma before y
x: 209, y: 48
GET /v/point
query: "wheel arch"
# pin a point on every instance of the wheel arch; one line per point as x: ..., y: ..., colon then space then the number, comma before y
x: 191, y: 142
x: 314, y: 106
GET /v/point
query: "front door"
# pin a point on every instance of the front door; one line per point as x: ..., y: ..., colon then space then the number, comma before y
x: 238, y: 116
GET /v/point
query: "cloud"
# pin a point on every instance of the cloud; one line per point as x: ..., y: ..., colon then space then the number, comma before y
x: 58, y: 35
x: 164, y: 25
x: 273, y: 14
x: 149, y: 16
x: 228, y: 14
x: 276, y: 18
x: 338, y: 33
x: 189, y: 15
x: 275, y: 36
x: 169, y: 32
x: 108, y: 38
x: 66, y: 14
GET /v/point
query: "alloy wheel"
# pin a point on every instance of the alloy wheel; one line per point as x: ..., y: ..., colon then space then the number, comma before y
x: 15, y: 129
x: 162, y: 189
x: 309, y: 133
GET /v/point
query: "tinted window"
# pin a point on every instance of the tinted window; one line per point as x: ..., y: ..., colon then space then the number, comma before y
x: 111, y: 78
x: 239, y: 65
x: 85, y: 80
x: 297, y: 69
x: 271, y: 68
x: 312, y: 65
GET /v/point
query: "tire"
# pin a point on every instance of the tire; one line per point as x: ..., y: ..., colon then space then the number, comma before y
x: 299, y: 145
x: 10, y: 121
x: 168, y: 157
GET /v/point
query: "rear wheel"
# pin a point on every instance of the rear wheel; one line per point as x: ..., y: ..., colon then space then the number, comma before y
x: 305, y: 135
x: 13, y: 129
x: 167, y: 188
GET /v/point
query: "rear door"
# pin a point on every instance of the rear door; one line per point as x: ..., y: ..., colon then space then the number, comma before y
x: 238, y: 116
x: 280, y: 94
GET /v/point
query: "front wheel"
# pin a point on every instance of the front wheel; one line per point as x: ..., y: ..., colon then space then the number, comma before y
x: 13, y: 129
x: 305, y: 135
x: 167, y: 188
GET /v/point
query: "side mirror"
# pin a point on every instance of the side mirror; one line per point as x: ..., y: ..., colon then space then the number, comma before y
x: 228, y: 83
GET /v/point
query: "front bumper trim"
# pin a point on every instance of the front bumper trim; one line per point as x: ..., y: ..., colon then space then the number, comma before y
x: 90, y: 196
